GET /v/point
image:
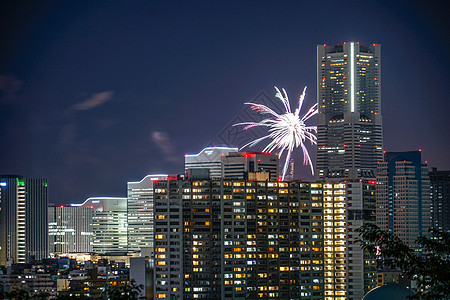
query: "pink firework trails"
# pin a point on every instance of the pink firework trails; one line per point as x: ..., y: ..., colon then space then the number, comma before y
x: 286, y: 131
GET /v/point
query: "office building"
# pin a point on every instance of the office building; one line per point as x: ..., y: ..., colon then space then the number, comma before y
x: 70, y: 229
x: 209, y: 158
x: 403, y: 196
x: 349, y: 122
x: 440, y: 195
x: 23, y: 219
x: 12, y: 228
x: 36, y: 219
x: 109, y: 224
x: 140, y: 214
x: 237, y: 165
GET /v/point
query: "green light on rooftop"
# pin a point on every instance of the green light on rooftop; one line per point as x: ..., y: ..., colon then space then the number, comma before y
x: 20, y: 182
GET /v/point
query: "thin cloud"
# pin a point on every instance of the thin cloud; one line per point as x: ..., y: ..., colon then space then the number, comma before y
x: 9, y: 86
x: 162, y: 140
x: 94, y: 101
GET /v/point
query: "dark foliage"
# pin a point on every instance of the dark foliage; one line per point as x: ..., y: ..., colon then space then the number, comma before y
x: 430, y: 266
x: 129, y: 292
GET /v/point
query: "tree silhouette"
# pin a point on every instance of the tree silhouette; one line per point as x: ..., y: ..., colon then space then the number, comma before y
x: 431, y: 268
x: 130, y: 292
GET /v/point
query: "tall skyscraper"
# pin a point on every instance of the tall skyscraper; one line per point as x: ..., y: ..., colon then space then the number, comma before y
x: 140, y: 215
x: 440, y: 204
x: 36, y: 218
x: 109, y: 223
x: 23, y: 218
x: 12, y: 220
x: 349, y: 122
x: 209, y: 158
x: 403, y: 196
x: 70, y: 229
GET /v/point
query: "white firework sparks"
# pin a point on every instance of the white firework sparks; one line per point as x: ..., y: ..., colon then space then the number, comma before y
x: 286, y: 131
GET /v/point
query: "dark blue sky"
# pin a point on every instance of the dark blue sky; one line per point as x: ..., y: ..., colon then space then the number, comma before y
x: 97, y: 93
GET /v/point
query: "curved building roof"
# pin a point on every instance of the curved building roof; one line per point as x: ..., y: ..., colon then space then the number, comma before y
x: 388, y: 291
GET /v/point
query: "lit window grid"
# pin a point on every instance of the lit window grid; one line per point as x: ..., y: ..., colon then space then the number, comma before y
x: 335, y: 241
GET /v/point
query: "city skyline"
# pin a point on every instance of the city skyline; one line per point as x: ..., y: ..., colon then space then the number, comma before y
x: 93, y: 97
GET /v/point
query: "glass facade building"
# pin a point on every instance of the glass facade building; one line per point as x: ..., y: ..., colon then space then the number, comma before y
x: 349, y: 122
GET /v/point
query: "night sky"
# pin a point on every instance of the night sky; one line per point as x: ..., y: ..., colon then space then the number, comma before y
x: 97, y: 93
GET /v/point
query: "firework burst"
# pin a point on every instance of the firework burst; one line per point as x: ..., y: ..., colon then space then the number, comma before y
x: 286, y: 131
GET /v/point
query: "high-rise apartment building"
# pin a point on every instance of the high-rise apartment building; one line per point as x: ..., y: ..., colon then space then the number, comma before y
x: 140, y: 215
x: 23, y: 219
x: 440, y: 195
x: 403, y: 195
x: 238, y: 165
x: 109, y: 224
x: 209, y: 158
x: 70, y: 229
x: 360, y: 203
x: 245, y: 239
x: 349, y: 122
